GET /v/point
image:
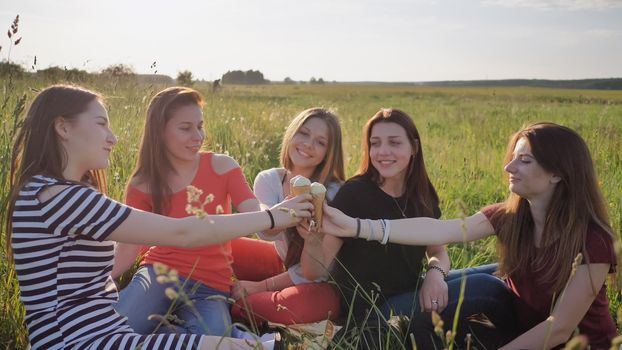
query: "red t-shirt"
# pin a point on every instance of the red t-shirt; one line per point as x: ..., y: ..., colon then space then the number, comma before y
x: 533, y: 304
x: 213, y: 263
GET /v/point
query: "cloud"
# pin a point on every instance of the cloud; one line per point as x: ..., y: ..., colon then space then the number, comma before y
x: 572, y: 5
x: 600, y: 33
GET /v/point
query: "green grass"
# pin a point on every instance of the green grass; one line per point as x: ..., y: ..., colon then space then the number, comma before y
x: 464, y: 134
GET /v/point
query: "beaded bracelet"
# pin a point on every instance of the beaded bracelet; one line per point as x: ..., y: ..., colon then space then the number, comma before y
x: 438, y: 268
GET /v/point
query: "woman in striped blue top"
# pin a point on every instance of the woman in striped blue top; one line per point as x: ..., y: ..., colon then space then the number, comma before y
x: 62, y: 229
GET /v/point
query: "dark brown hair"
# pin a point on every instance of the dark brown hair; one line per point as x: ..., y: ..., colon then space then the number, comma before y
x: 419, y: 188
x: 575, y: 203
x: 38, y: 149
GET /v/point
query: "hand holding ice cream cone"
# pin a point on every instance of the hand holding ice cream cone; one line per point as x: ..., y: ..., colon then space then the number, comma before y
x: 299, y: 185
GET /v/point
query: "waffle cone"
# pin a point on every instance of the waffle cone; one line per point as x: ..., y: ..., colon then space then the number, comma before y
x: 318, y: 201
x: 296, y: 190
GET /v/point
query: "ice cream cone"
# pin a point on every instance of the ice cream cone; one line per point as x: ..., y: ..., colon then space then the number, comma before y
x: 318, y: 192
x: 291, y: 184
x: 300, y: 185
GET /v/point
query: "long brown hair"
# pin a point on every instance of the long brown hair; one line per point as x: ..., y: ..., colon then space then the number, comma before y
x: 331, y: 168
x: 419, y: 188
x: 153, y: 166
x: 575, y: 203
x: 38, y: 149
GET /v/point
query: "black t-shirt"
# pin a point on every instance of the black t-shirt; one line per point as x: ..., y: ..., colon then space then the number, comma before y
x: 394, y: 268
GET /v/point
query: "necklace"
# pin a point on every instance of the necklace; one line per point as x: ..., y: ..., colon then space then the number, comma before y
x: 403, y: 212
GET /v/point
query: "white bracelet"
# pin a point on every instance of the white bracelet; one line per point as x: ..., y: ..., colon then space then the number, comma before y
x: 382, y: 231
x: 386, y: 231
x: 371, y: 230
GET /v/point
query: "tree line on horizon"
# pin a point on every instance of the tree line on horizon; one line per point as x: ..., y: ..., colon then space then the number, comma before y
x: 256, y: 77
x: 123, y: 71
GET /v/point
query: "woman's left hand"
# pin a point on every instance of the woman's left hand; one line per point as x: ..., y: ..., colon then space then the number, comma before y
x: 433, y: 293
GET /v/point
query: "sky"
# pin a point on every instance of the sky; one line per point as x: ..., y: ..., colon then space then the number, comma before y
x: 341, y: 40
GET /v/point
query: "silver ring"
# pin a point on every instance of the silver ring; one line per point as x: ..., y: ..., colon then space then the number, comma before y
x: 435, y: 301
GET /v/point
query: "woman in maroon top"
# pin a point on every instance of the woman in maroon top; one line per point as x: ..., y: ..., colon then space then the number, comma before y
x: 555, y: 212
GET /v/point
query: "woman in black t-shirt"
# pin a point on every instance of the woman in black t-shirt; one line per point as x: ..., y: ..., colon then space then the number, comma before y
x: 392, y: 183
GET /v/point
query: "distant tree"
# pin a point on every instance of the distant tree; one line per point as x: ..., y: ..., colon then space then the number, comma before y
x: 184, y: 78
x: 316, y: 81
x: 234, y: 77
x: 77, y: 75
x: 55, y: 73
x: 240, y: 77
x: 255, y: 77
x: 11, y: 69
x: 288, y: 80
x: 119, y: 70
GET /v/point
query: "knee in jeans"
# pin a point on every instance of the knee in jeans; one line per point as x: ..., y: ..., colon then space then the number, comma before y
x: 487, y: 282
x: 494, y: 284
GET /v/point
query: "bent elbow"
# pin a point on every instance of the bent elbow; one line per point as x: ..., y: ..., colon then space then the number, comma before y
x: 560, y: 335
x: 311, y: 275
x: 184, y: 239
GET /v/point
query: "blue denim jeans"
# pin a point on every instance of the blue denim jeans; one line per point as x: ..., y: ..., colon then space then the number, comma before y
x: 144, y: 295
x: 481, y: 279
x: 484, y: 294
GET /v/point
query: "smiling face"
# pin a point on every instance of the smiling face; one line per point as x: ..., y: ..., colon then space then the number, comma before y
x: 307, y: 148
x: 528, y: 178
x: 390, y: 150
x: 87, y: 139
x: 184, y: 133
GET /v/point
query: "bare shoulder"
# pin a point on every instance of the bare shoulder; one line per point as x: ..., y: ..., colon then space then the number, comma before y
x: 222, y: 163
x: 51, y: 191
x: 138, y: 183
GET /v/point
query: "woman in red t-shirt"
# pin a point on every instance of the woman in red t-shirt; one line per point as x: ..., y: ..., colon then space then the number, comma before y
x: 554, y: 212
x: 170, y: 160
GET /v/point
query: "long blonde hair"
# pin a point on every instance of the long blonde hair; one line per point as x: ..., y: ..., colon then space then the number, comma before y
x: 331, y: 168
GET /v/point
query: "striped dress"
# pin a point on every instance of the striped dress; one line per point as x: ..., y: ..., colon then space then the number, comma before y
x: 63, y: 264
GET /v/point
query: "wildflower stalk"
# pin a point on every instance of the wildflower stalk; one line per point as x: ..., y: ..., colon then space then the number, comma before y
x: 463, y: 228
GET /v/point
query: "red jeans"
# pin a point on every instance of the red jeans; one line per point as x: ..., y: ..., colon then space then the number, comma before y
x: 256, y: 260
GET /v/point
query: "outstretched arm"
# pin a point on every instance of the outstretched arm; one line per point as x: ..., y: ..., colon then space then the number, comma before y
x: 151, y: 229
x: 412, y: 231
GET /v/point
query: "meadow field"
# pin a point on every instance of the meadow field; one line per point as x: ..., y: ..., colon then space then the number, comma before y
x: 464, y: 135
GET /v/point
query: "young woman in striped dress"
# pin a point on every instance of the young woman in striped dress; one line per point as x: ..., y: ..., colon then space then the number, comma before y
x: 62, y: 229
